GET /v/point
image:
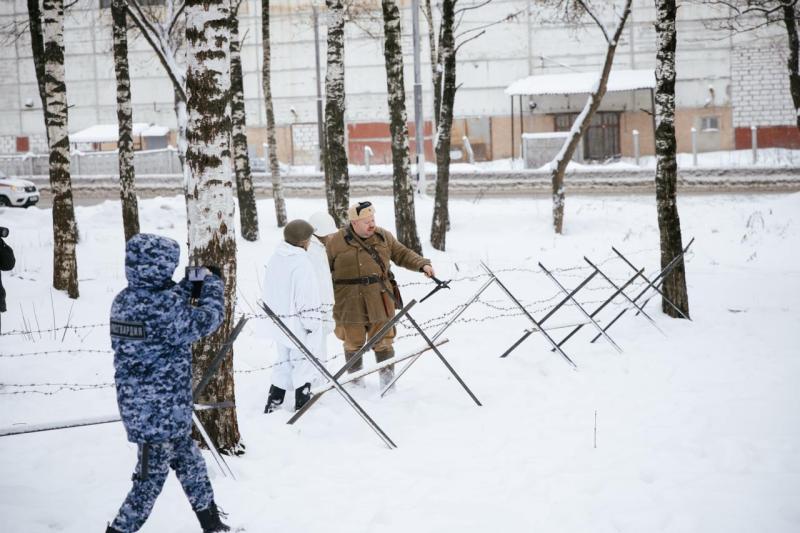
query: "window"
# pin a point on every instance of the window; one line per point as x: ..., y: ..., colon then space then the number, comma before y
x: 709, y: 123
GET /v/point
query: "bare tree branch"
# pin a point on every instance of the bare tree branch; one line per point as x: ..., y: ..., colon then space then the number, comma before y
x: 596, y: 20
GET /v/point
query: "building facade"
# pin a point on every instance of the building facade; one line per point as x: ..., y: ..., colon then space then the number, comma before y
x: 727, y: 82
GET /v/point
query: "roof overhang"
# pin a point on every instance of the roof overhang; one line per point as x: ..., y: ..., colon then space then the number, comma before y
x: 581, y: 83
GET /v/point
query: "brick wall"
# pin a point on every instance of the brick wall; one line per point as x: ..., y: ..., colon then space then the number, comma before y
x: 760, y: 86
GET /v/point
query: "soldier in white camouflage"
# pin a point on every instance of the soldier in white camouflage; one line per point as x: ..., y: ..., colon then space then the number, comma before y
x: 153, y: 325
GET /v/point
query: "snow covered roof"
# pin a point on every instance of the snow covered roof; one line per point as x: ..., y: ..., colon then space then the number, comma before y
x: 103, y: 133
x: 581, y: 82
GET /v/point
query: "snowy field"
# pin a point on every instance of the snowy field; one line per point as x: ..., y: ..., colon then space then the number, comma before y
x: 697, y: 431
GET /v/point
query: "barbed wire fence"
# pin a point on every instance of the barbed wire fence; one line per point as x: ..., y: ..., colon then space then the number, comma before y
x: 495, y: 310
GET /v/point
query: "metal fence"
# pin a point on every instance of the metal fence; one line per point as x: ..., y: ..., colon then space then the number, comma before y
x: 162, y: 161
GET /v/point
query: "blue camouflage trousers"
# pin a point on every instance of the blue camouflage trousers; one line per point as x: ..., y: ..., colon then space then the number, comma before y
x: 183, y: 456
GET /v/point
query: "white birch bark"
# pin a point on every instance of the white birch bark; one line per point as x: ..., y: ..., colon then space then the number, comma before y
x: 65, y: 230
x: 210, y: 204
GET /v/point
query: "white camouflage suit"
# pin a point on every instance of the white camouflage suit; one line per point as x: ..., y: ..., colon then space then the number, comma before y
x: 292, y: 291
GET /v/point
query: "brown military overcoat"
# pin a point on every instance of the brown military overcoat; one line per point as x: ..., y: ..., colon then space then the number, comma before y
x: 365, y: 303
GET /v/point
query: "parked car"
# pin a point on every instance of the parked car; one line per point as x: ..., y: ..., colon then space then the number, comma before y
x: 15, y: 192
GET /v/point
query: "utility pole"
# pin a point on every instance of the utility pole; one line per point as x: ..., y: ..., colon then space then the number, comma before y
x: 320, y: 123
x: 418, y: 119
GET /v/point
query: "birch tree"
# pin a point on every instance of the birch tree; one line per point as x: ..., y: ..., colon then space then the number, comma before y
x: 405, y: 218
x: 37, y: 50
x: 558, y: 166
x: 266, y: 80
x: 248, y: 213
x: 65, y: 229
x: 436, y: 66
x: 210, y: 205
x: 447, y: 55
x: 339, y: 176
x: 669, y: 224
x: 164, y: 30
x: 127, y: 188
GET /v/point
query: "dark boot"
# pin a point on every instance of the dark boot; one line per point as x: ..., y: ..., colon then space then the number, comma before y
x: 110, y: 529
x: 358, y: 382
x: 301, y: 396
x: 275, y: 399
x: 386, y: 374
x: 210, y: 519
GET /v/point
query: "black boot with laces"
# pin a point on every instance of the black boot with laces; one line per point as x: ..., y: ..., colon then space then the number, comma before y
x: 210, y: 519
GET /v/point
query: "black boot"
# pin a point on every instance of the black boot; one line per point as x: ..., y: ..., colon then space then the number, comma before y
x: 301, y: 396
x: 210, y: 519
x: 110, y: 529
x: 275, y: 399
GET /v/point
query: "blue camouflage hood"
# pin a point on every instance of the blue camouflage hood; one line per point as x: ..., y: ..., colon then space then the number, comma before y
x: 150, y: 260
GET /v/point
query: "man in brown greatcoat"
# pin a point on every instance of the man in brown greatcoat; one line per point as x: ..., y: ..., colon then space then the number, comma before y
x: 359, y: 256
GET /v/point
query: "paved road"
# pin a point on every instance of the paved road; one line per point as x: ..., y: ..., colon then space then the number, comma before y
x: 92, y: 190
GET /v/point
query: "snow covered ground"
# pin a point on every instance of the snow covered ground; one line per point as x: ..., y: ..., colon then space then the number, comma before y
x: 696, y: 431
x: 767, y: 157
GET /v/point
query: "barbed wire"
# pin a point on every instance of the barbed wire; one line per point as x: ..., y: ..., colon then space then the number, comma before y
x: 322, y: 313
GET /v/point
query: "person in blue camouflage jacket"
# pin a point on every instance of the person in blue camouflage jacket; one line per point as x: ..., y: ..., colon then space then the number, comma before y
x: 153, y: 325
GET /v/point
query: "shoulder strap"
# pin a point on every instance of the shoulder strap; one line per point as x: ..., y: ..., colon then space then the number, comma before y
x: 370, y: 250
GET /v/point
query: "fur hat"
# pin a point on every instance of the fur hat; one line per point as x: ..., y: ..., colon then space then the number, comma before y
x: 360, y: 211
x: 297, y: 231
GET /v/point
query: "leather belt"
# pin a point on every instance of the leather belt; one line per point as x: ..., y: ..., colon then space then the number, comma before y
x: 364, y: 280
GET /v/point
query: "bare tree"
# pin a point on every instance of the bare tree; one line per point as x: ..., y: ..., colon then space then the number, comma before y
x: 669, y: 223
x: 450, y: 41
x: 210, y: 205
x: 65, y: 229
x: 266, y: 69
x: 750, y: 15
x: 447, y: 54
x: 127, y: 188
x: 405, y: 218
x: 559, y: 164
x: 248, y: 213
x: 338, y: 175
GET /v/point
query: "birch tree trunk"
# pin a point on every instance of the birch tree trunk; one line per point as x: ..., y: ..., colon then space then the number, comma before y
x: 275, y: 171
x: 790, y: 15
x: 127, y: 188
x: 65, y: 230
x: 405, y: 218
x: 447, y: 54
x: 669, y: 224
x: 436, y: 67
x: 334, y: 114
x: 37, y: 50
x: 559, y: 164
x: 248, y: 214
x: 210, y: 205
